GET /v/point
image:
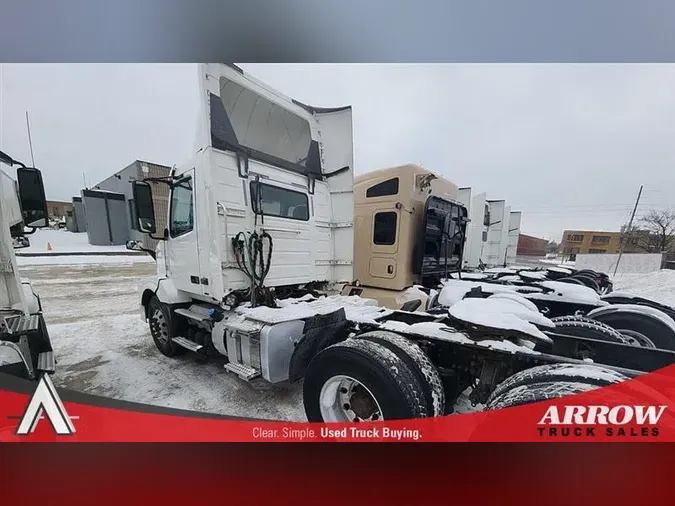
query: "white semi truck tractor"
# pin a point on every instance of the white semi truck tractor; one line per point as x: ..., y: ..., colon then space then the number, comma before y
x: 259, y: 242
x: 25, y: 347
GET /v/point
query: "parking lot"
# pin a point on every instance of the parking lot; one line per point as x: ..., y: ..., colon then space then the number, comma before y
x: 103, y: 348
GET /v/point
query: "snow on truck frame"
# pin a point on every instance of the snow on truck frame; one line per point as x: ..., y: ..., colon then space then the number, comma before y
x: 260, y: 229
x: 25, y: 347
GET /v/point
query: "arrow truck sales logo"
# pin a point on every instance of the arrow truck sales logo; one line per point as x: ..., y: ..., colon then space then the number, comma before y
x: 615, y: 421
x: 45, y: 401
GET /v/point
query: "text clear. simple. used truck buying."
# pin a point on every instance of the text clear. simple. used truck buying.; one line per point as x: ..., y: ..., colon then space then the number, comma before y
x: 265, y: 230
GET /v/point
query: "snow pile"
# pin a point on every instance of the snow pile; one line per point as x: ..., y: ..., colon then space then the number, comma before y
x: 432, y: 329
x: 357, y: 309
x: 658, y: 286
x: 561, y: 270
x: 532, y: 275
x: 557, y: 261
x: 441, y: 331
x: 516, y: 298
x: 412, y: 293
x: 569, y: 293
x: 455, y: 290
x: 501, y: 314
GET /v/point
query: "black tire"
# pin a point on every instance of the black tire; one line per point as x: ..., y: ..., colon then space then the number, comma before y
x: 163, y: 328
x: 588, y: 281
x: 394, y: 386
x: 575, y: 373
x: 527, y: 394
x: 589, y: 330
x: 658, y: 332
x: 418, y: 362
x: 585, y: 319
x: 572, y: 281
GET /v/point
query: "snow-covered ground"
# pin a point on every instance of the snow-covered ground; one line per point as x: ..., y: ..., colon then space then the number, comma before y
x: 104, y: 348
x: 658, y: 286
x: 63, y: 241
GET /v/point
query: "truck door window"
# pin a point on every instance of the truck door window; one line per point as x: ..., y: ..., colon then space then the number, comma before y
x: 182, y: 214
x: 383, y: 189
x: 280, y: 202
x: 384, y: 229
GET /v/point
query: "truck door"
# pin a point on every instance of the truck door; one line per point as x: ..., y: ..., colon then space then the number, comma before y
x: 386, y: 224
x: 183, y: 248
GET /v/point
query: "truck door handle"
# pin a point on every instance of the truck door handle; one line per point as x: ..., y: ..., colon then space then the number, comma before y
x: 390, y: 269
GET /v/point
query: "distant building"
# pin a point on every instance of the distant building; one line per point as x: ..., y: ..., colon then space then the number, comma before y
x: 59, y: 210
x: 109, y: 205
x: 594, y: 241
x: 532, y: 246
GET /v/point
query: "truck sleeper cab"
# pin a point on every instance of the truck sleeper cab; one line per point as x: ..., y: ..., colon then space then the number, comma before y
x: 262, y: 212
x: 409, y: 230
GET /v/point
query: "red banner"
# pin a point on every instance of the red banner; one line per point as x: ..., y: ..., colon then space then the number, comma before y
x: 640, y: 409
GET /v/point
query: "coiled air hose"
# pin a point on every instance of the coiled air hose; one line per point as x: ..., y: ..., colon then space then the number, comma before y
x: 249, y: 254
x: 250, y: 257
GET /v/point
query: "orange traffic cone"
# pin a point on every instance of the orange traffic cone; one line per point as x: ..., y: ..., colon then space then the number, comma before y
x: 49, y: 246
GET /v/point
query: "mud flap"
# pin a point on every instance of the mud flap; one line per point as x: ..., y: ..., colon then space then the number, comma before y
x: 319, y: 332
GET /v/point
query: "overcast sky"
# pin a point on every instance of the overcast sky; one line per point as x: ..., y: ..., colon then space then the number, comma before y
x: 568, y: 145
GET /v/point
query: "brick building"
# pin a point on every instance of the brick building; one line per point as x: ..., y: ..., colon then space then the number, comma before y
x: 531, y: 246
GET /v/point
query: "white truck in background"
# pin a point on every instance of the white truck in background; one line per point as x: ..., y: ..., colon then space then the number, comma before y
x: 25, y: 347
x: 261, y: 229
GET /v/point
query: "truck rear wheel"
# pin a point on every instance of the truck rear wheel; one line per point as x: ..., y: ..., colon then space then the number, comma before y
x: 588, y: 329
x: 576, y: 373
x: 359, y: 380
x: 418, y: 362
x: 162, y: 328
x: 659, y: 333
x: 527, y: 394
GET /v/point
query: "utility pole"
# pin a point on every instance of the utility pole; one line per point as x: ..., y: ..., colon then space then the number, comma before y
x: 628, y: 230
x: 30, y: 141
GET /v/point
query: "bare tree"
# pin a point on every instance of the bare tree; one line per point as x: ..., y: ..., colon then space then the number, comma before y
x: 655, y: 232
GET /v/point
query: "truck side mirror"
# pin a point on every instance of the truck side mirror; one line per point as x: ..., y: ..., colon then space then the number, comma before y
x: 144, y: 207
x: 32, y: 197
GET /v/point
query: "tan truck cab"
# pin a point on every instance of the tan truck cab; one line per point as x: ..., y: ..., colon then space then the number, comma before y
x: 408, y: 230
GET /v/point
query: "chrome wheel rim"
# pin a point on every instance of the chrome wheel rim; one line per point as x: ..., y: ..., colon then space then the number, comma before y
x: 637, y: 339
x: 345, y: 399
x: 159, y: 327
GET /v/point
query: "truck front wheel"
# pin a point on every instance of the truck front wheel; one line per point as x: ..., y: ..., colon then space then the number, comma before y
x: 162, y: 328
x: 358, y: 380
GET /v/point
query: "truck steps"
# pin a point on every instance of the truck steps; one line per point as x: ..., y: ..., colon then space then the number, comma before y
x: 187, y: 344
x: 191, y: 315
x: 244, y: 372
x: 23, y: 323
x: 46, y: 362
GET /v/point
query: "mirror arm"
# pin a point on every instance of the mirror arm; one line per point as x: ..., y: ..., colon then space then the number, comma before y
x: 149, y: 252
x: 166, y: 180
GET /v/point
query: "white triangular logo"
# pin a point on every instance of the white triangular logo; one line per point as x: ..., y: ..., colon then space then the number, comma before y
x: 47, y: 400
